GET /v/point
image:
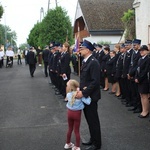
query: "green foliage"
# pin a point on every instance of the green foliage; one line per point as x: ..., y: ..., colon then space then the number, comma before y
x: 34, y: 35
x: 103, y: 42
x: 23, y: 45
x: 54, y: 27
x: 7, y: 34
x: 2, y: 34
x: 128, y: 16
x: 129, y: 24
x: 1, y: 11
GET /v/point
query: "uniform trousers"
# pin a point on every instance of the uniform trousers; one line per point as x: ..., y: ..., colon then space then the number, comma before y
x: 63, y: 85
x: 136, y: 100
x: 19, y: 59
x: 32, y: 68
x: 59, y: 82
x: 122, y: 87
x: 91, y: 115
x: 45, y: 68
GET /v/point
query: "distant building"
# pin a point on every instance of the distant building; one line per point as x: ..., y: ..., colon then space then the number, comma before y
x: 142, y: 15
x: 100, y: 20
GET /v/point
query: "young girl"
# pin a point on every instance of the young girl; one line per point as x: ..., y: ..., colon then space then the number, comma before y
x: 74, y: 113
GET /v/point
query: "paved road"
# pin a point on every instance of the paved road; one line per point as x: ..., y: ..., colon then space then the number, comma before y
x: 33, y: 118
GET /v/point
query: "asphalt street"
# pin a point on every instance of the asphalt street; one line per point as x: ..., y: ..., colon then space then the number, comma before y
x: 32, y: 117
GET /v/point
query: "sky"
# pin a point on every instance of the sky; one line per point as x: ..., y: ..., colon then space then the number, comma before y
x: 21, y: 15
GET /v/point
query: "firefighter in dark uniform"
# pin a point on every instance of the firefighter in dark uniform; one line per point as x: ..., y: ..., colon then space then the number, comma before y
x: 65, y: 67
x: 59, y: 75
x: 45, y: 55
x: 50, y: 64
x: 90, y: 86
x: 54, y: 64
x: 141, y: 78
x: 31, y: 60
x: 119, y: 69
x: 135, y: 96
x: 126, y: 64
x: 99, y: 56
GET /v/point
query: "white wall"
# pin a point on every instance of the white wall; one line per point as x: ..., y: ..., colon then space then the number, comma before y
x: 112, y: 39
x: 142, y: 19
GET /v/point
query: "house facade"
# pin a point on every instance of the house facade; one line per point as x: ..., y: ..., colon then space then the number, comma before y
x: 100, y: 20
x: 142, y: 15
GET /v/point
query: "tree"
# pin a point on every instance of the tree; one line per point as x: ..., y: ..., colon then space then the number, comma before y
x: 23, y: 45
x: 129, y: 24
x: 1, y: 11
x: 34, y: 35
x: 56, y: 26
x: 7, y: 36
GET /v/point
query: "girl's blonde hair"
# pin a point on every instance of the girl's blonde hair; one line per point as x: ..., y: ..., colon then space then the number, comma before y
x: 74, y: 85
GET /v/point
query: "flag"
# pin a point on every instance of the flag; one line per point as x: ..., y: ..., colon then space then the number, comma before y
x: 76, y: 48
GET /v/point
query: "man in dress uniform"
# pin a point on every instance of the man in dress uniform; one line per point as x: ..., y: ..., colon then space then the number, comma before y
x: 99, y: 56
x: 119, y: 69
x: 135, y: 96
x: 31, y: 60
x: 90, y: 86
x: 45, y: 55
x: 25, y: 52
x: 54, y: 64
x: 126, y: 64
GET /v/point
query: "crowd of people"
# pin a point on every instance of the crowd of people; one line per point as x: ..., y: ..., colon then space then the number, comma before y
x: 126, y: 71
x: 83, y: 95
x: 123, y: 72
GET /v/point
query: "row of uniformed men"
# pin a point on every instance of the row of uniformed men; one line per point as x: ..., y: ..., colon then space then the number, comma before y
x: 128, y: 66
x: 57, y: 59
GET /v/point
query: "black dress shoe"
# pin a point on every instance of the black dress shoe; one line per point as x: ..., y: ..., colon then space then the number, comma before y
x: 92, y: 147
x: 87, y: 143
x: 118, y: 95
x: 141, y: 116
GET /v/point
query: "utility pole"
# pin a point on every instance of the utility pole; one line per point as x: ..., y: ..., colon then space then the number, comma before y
x: 48, y: 5
x: 41, y: 13
x: 5, y: 42
x: 56, y: 2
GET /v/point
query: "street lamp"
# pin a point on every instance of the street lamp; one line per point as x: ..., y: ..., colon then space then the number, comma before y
x: 5, y: 42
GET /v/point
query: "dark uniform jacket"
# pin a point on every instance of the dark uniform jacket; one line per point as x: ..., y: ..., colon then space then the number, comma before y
x: 65, y: 63
x: 134, y: 63
x: 90, y: 79
x: 126, y: 63
x: 104, y: 60
x: 143, y: 69
x: 31, y: 58
x: 100, y: 55
x: 45, y: 55
x: 111, y: 66
x: 50, y: 60
x: 55, y: 60
x: 119, y: 66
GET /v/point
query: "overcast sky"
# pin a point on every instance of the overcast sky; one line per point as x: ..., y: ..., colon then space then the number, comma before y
x: 21, y: 15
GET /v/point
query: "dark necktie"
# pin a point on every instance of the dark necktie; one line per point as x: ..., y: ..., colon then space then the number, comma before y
x: 83, y: 64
